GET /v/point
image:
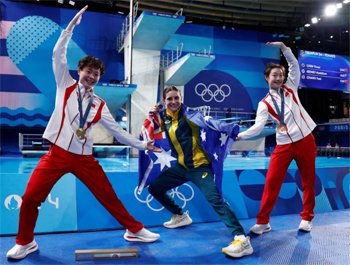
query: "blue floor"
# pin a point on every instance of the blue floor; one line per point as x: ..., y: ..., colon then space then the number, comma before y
x: 327, y: 244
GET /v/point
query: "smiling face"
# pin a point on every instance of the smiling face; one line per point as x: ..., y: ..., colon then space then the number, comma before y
x: 275, y: 78
x: 173, y: 100
x: 90, y: 69
x: 89, y: 77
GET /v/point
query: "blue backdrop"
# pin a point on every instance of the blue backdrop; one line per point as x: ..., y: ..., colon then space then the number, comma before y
x: 29, y: 33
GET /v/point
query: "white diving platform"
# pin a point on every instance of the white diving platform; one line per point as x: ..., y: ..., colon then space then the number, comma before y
x: 115, y: 95
x: 183, y: 70
x: 153, y: 30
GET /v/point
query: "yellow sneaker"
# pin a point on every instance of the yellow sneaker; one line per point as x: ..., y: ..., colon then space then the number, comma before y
x: 178, y: 221
x: 239, y: 247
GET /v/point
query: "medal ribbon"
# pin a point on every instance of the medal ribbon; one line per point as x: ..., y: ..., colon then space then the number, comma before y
x: 83, y: 118
x: 280, y: 113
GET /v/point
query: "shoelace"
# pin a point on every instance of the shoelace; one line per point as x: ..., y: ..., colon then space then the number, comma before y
x: 174, y: 217
x: 237, y: 242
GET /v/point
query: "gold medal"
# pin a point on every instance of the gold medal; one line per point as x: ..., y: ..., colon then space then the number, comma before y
x: 81, y: 133
x: 282, y: 129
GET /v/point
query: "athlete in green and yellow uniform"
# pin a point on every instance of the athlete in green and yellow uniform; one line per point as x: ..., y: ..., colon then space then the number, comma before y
x: 193, y: 164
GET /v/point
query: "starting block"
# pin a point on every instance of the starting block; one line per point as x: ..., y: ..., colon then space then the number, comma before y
x: 97, y: 254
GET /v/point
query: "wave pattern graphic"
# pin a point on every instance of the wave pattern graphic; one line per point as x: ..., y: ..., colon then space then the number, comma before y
x: 24, y: 116
x: 22, y: 123
x: 25, y: 111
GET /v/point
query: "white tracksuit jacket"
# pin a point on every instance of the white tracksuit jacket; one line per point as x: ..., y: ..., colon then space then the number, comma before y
x: 65, y: 117
x: 298, y: 122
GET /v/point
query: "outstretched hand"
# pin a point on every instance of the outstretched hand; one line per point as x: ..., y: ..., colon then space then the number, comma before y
x: 152, y: 148
x: 76, y: 19
x: 278, y: 44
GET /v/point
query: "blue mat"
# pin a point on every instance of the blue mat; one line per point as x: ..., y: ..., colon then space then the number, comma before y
x: 328, y: 243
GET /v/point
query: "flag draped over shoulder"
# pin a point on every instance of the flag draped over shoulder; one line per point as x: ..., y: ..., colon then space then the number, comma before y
x: 216, y: 138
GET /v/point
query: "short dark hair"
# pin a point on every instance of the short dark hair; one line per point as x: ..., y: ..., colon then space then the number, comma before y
x: 91, y: 61
x: 170, y: 88
x: 271, y: 66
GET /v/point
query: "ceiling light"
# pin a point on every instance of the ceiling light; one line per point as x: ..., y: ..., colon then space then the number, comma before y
x: 339, y: 5
x: 307, y: 25
x: 331, y: 37
x: 330, y: 10
x: 297, y: 38
x: 314, y: 20
x: 72, y: 3
x: 60, y: 1
x: 281, y: 35
x: 346, y: 1
x: 120, y: 12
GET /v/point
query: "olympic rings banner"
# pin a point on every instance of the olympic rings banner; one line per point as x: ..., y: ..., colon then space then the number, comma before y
x: 219, y: 90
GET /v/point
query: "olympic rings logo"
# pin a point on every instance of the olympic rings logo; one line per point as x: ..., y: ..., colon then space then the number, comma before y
x: 219, y: 91
x: 172, y: 193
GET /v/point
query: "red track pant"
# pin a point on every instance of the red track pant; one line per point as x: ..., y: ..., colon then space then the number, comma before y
x: 304, y: 153
x: 56, y: 163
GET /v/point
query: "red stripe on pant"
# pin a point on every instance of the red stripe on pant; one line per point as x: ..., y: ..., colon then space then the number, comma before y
x: 49, y: 170
x: 304, y: 153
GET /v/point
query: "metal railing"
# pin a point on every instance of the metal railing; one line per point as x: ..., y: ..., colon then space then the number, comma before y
x: 204, y: 109
x: 32, y: 142
x: 171, y: 56
x: 179, y: 12
x: 333, y: 151
x: 126, y: 27
x: 206, y: 50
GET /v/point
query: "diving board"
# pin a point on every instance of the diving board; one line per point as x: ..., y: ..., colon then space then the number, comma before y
x: 183, y: 70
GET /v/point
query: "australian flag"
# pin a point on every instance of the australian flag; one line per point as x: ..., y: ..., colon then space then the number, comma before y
x: 216, y: 139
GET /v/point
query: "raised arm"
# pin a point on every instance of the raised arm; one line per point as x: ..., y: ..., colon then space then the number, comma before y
x: 59, y: 57
x: 293, y: 65
x: 278, y: 44
x: 76, y: 19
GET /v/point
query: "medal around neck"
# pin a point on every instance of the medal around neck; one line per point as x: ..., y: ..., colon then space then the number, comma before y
x: 282, y: 129
x: 81, y: 133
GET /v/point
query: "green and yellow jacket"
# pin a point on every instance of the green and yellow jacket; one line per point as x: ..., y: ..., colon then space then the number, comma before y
x: 183, y: 136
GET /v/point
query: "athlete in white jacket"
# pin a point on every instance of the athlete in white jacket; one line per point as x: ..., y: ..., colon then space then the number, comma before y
x: 71, y: 148
x: 294, y: 140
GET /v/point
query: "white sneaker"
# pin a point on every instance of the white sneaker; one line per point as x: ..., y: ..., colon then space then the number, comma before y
x: 239, y: 247
x: 143, y: 236
x: 178, y: 221
x: 305, y: 226
x: 259, y: 229
x: 20, y: 252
